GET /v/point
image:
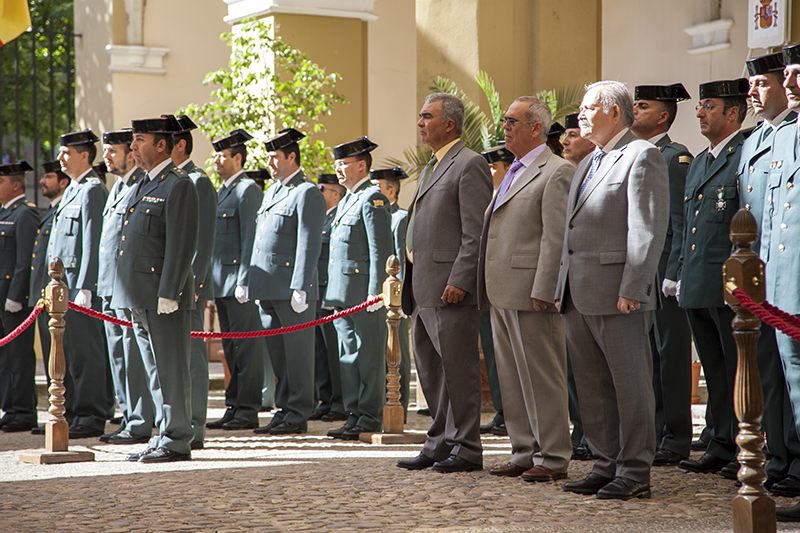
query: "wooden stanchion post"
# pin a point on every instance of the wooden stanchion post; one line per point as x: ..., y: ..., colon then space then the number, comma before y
x: 56, y: 436
x: 753, y: 509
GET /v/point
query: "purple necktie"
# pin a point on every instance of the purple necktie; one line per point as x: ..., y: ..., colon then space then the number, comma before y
x: 507, y: 180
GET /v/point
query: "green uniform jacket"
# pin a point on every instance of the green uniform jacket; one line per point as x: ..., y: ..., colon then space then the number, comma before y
x: 399, y: 227
x: 678, y: 158
x: 39, y: 275
x: 324, y: 253
x: 201, y: 264
x: 18, y: 225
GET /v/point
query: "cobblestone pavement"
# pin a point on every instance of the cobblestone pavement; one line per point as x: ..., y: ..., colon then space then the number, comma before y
x: 246, y: 482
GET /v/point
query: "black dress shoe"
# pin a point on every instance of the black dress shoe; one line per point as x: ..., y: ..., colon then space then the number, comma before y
x: 730, y: 470
x: 419, y: 462
x: 217, y: 424
x: 338, y: 432
x: 588, y: 485
x: 353, y: 433
x: 622, y: 488
x: 707, y: 464
x: 487, y: 428
x: 581, y: 452
x: 236, y: 424
x: 164, y: 455
x: 15, y: 426
x: 788, y: 514
x: 333, y: 416
x: 117, y: 420
x: 83, y: 432
x: 39, y: 430
x: 197, y: 445
x: 667, y: 458
x: 424, y: 412
x: 699, y: 445
x: 500, y: 430
x: 455, y: 463
x: 107, y: 436
x: 317, y: 415
x: 7, y: 418
x: 126, y: 437
x: 790, y: 486
x: 133, y: 457
x: 286, y: 428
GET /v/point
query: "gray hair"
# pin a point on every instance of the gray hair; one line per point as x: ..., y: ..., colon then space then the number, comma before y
x: 613, y: 92
x: 452, y: 108
x: 538, y: 111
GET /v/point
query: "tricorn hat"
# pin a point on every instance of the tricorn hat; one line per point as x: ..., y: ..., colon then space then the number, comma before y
x: 497, y: 153
x: 122, y: 136
x: 394, y: 173
x: 51, y: 166
x: 665, y: 93
x: 236, y: 138
x: 724, y: 88
x: 556, y: 130
x: 362, y: 145
x: 571, y: 121
x: 164, y: 125
x: 764, y: 64
x: 791, y: 54
x: 12, y: 169
x: 327, y: 178
x: 284, y: 138
x: 77, y: 138
x: 185, y: 123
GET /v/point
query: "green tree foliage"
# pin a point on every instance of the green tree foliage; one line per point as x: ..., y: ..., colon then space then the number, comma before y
x: 262, y: 100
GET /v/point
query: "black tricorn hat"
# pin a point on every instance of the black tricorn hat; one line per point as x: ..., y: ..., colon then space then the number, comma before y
x: 259, y: 174
x: 165, y: 125
x: 283, y: 139
x: 394, y: 173
x: 362, y: 145
x: 236, y: 138
x: 571, y: 121
x: 497, y: 153
x: 764, y: 64
x: 791, y: 54
x: 328, y: 178
x: 12, y: 169
x: 122, y: 136
x: 100, y: 168
x: 556, y: 130
x: 185, y: 123
x: 665, y: 93
x: 724, y: 88
x: 78, y: 137
x: 51, y: 166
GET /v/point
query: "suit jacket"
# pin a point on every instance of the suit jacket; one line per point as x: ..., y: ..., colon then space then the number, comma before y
x: 522, y: 237
x: 159, y: 238
x: 361, y: 241
x: 113, y: 214
x: 678, y: 158
x: 324, y: 253
x: 288, y: 241
x: 235, y: 232
x: 399, y: 227
x: 201, y: 263
x: 706, y: 239
x: 448, y: 218
x: 75, y: 236
x: 18, y: 225
x: 39, y: 264
x: 615, y: 231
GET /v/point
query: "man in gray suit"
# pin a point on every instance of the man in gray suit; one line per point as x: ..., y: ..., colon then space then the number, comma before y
x: 617, y: 215
x: 523, y: 232
x: 440, y: 289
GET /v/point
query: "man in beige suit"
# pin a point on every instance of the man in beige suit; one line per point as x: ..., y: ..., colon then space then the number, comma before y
x: 518, y: 266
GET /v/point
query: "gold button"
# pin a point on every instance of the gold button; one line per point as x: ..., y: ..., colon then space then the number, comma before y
x: 32, y: 268
x: 126, y: 222
x: 784, y: 226
x: 331, y: 261
x: 123, y: 237
x: 331, y: 248
x: 8, y: 276
x: 287, y: 263
x: 112, y: 209
x: 694, y: 230
x: 700, y: 196
x: 72, y: 264
x: 786, y: 206
x: 747, y: 207
x: 258, y: 237
x: 356, y: 271
x: 224, y: 215
x: 152, y: 269
x: 33, y: 255
x: 201, y: 285
x: 2, y: 232
x: 38, y: 231
x: 147, y: 210
x: 131, y: 211
x: 693, y: 247
x: 781, y: 248
x: 751, y: 169
x: 234, y: 261
x: 104, y: 234
x: 789, y: 185
x: 120, y: 252
x: 750, y: 187
x: 697, y: 212
x: 102, y: 248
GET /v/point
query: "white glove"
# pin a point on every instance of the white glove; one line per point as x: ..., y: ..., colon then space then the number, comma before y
x: 327, y: 307
x: 299, y: 301
x: 12, y: 306
x: 166, y: 306
x: 242, y: 294
x: 377, y: 305
x: 84, y: 298
x: 669, y: 288
x: 678, y: 291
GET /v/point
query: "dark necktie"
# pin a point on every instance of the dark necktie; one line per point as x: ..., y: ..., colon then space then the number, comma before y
x: 709, y: 160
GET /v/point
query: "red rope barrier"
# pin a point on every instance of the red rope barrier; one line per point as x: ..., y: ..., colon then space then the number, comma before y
x: 22, y: 327
x: 241, y: 334
x: 764, y: 315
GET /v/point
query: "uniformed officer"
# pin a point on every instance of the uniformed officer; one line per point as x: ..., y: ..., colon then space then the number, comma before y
x: 284, y: 278
x: 361, y: 242
x: 575, y: 146
x: 554, y: 138
x: 237, y: 204
x: 127, y: 369
x: 18, y: 223
x: 654, y: 110
x: 389, y: 182
x: 327, y: 377
x: 155, y: 281
x: 75, y: 238
x: 201, y: 267
x: 710, y: 201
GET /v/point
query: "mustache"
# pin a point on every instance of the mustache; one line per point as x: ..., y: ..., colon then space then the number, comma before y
x: 584, y: 123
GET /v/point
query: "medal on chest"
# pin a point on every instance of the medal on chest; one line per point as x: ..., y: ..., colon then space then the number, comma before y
x: 721, y: 199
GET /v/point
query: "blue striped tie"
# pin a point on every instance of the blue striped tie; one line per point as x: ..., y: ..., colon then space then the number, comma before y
x: 597, y: 158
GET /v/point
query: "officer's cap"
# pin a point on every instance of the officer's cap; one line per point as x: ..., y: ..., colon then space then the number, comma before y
x: 791, y: 54
x: 571, y: 121
x: 123, y: 136
x: 556, y: 130
x: 12, y: 169
x: 236, y: 138
x: 283, y: 139
x: 100, y: 168
x: 362, y: 145
x: 498, y: 153
x: 77, y: 138
x: 664, y: 93
x: 764, y: 64
x: 394, y: 173
x: 185, y: 123
x: 164, y: 125
x: 724, y: 88
x: 51, y: 166
x: 330, y: 179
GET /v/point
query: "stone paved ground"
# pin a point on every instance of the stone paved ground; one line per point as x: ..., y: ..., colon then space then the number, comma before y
x: 246, y: 482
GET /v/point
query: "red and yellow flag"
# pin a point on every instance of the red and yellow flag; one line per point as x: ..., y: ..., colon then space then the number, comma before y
x: 15, y: 18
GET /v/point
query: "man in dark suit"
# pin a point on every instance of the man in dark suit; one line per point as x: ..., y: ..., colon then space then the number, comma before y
x: 18, y: 223
x: 155, y: 281
x: 283, y: 278
x: 711, y: 200
x: 520, y: 251
x: 75, y: 238
x: 237, y: 205
x: 440, y: 289
x: 654, y: 111
x: 617, y: 215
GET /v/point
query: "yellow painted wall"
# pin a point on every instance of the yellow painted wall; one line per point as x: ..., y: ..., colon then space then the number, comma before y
x: 93, y: 84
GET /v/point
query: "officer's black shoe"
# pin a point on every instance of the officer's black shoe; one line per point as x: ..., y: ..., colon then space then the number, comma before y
x: 707, y: 464
x: 217, y: 424
x: 788, y: 514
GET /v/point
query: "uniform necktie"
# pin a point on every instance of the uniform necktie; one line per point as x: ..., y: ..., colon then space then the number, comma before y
x: 597, y: 158
x: 508, y: 179
x: 709, y: 160
x: 424, y: 176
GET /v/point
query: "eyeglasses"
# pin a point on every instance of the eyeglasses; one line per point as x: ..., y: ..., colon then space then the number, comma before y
x: 322, y: 188
x: 341, y: 163
x: 511, y: 122
x: 708, y: 107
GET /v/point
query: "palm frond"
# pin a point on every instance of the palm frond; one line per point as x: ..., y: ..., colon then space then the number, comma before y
x: 569, y: 100
x: 494, y: 131
x: 414, y: 160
